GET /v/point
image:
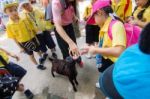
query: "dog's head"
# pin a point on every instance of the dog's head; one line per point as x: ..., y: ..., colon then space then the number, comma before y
x: 144, y: 42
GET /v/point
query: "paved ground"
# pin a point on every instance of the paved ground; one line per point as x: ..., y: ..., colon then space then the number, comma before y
x: 44, y: 85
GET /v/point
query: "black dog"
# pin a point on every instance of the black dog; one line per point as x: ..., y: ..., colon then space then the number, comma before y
x: 67, y: 68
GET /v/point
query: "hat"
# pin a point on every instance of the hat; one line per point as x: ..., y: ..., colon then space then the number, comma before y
x: 96, y: 6
x: 24, y: 2
x: 9, y: 3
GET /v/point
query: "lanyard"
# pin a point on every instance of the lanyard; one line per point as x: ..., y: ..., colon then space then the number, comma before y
x: 32, y: 17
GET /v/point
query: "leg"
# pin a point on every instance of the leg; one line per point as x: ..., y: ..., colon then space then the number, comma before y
x: 73, y: 85
x: 52, y: 72
x: 32, y: 58
x: 62, y: 45
x: 76, y: 81
x: 105, y: 64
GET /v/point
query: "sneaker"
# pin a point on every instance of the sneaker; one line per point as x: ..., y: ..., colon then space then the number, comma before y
x: 41, y: 67
x: 54, y: 55
x: 97, y: 85
x: 28, y: 94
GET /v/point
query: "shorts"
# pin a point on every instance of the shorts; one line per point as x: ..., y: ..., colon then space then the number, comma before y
x: 30, y: 52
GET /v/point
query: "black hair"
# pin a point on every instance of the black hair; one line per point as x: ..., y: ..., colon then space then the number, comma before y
x: 144, y: 41
x: 140, y: 14
x: 108, y: 10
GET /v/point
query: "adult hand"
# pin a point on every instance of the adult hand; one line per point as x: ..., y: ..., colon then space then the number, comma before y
x: 73, y: 50
x: 22, y: 50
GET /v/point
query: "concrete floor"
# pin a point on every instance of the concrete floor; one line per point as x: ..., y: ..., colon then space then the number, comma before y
x: 45, y: 86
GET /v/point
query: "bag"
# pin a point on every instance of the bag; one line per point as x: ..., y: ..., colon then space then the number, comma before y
x: 132, y: 32
x: 48, y: 10
x: 8, y: 83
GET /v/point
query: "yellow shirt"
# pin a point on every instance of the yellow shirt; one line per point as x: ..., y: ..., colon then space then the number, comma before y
x: 118, y: 35
x: 119, y: 9
x: 22, y: 31
x: 87, y: 12
x: 5, y: 57
x: 37, y: 17
x: 146, y: 15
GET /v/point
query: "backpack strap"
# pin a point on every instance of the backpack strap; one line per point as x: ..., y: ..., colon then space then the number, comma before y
x: 110, y: 28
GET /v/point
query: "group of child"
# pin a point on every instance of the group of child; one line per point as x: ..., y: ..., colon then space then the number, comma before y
x: 31, y: 29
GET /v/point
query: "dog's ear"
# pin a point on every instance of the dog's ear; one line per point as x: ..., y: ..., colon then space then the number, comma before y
x: 144, y: 41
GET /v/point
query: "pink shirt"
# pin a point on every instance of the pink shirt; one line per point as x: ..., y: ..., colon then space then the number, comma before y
x: 60, y: 15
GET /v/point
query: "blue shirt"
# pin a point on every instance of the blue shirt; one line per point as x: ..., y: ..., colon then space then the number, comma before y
x: 131, y: 74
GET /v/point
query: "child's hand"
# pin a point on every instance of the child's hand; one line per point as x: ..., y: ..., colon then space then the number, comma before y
x: 92, y: 50
x: 16, y: 57
x: 22, y: 50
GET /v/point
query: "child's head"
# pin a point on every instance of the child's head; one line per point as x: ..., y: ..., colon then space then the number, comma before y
x: 26, y: 6
x: 11, y: 9
x: 101, y: 10
x: 141, y: 3
x: 144, y: 42
x: 101, y: 15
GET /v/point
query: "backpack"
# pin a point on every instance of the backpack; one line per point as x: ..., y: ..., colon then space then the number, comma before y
x: 132, y: 32
x: 48, y: 10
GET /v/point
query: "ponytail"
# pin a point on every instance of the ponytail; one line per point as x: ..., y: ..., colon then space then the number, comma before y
x: 109, y: 11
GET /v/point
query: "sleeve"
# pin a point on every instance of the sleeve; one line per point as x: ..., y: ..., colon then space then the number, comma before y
x: 56, y: 10
x: 129, y: 10
x: 118, y: 34
x: 9, y: 33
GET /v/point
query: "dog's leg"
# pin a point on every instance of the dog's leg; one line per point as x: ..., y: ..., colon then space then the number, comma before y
x: 76, y: 81
x: 73, y: 85
x: 52, y: 72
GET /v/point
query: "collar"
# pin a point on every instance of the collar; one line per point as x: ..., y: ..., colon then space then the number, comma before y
x: 106, y: 25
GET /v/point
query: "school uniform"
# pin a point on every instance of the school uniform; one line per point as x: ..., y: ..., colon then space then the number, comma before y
x: 119, y: 38
x: 120, y: 9
x: 22, y: 32
x: 146, y: 14
x: 13, y: 68
x: 43, y: 27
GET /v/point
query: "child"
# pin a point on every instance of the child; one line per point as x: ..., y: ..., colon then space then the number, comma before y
x: 141, y: 13
x: 92, y: 31
x: 129, y: 77
x: 22, y: 32
x: 15, y: 70
x: 37, y: 17
x: 122, y: 8
x: 111, y: 49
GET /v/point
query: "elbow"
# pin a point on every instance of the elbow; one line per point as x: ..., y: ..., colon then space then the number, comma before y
x: 118, y: 51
